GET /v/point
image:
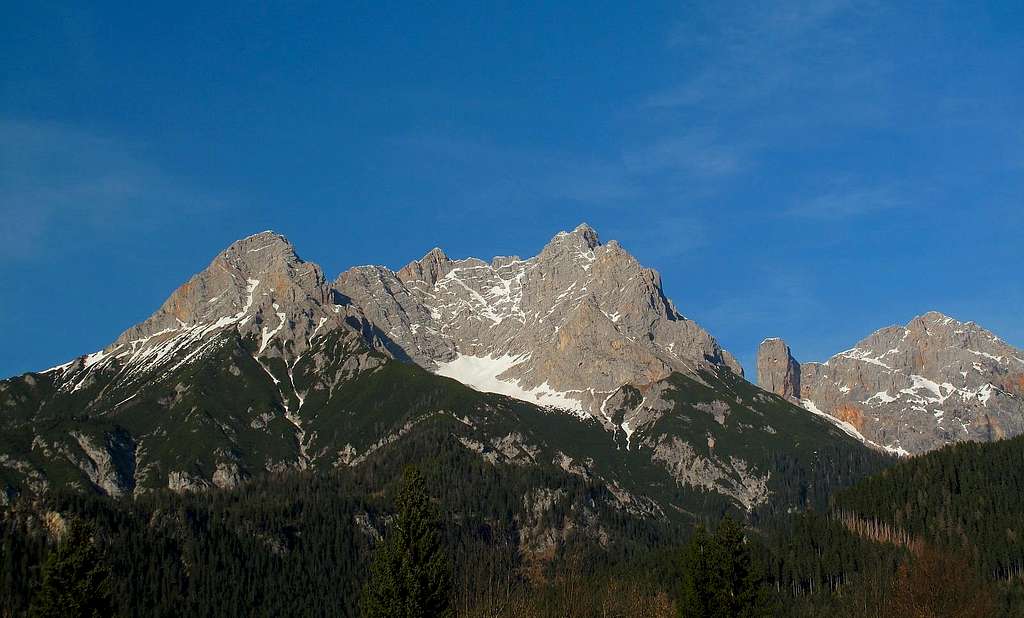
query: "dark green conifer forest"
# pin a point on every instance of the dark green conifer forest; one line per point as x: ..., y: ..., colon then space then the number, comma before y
x: 934, y: 535
x: 75, y: 578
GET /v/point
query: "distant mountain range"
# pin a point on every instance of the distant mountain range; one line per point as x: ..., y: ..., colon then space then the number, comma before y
x: 573, y: 361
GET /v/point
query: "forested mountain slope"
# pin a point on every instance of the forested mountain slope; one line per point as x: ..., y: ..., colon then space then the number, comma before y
x: 516, y: 532
x: 963, y: 498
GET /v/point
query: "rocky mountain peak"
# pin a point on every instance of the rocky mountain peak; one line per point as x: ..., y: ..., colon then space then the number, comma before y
x: 255, y: 275
x: 583, y: 238
x: 587, y: 234
x: 256, y: 364
x: 570, y: 325
x: 916, y: 387
x: 429, y: 268
x: 258, y: 286
x: 266, y: 238
x: 933, y: 316
x: 931, y: 320
x: 565, y: 328
x: 777, y: 370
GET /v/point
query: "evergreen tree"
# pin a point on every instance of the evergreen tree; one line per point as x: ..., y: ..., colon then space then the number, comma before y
x: 719, y: 579
x: 696, y: 598
x: 737, y: 587
x: 410, y: 576
x: 76, y: 579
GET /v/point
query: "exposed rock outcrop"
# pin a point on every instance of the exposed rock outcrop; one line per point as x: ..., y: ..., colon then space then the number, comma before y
x: 110, y: 465
x: 777, y: 370
x: 567, y: 327
x: 914, y: 388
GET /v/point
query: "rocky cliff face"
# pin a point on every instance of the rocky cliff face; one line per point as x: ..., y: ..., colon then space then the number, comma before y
x: 777, y: 370
x: 566, y: 328
x: 257, y: 287
x: 914, y: 388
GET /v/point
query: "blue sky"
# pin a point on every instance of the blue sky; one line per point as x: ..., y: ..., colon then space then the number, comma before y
x: 810, y: 170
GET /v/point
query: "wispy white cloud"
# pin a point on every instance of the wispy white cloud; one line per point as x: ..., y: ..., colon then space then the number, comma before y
x: 59, y: 179
x: 768, y: 57
x: 694, y: 154
x: 479, y: 172
x: 847, y: 201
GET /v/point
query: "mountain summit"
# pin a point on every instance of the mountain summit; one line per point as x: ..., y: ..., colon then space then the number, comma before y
x: 910, y: 388
x: 249, y: 284
x: 566, y: 327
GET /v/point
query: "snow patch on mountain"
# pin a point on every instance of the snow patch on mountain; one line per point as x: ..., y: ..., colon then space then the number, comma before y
x: 852, y: 431
x: 481, y: 373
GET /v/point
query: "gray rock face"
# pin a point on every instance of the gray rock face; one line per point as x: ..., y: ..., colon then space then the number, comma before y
x: 918, y: 387
x: 777, y: 370
x: 258, y: 285
x: 182, y: 482
x: 258, y: 303
x: 228, y: 475
x: 566, y: 328
x: 110, y: 466
x: 690, y: 468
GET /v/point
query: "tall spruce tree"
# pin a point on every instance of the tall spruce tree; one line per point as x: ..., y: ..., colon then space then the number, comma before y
x: 736, y: 585
x: 76, y: 579
x: 719, y: 578
x: 410, y: 576
x: 695, y: 599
